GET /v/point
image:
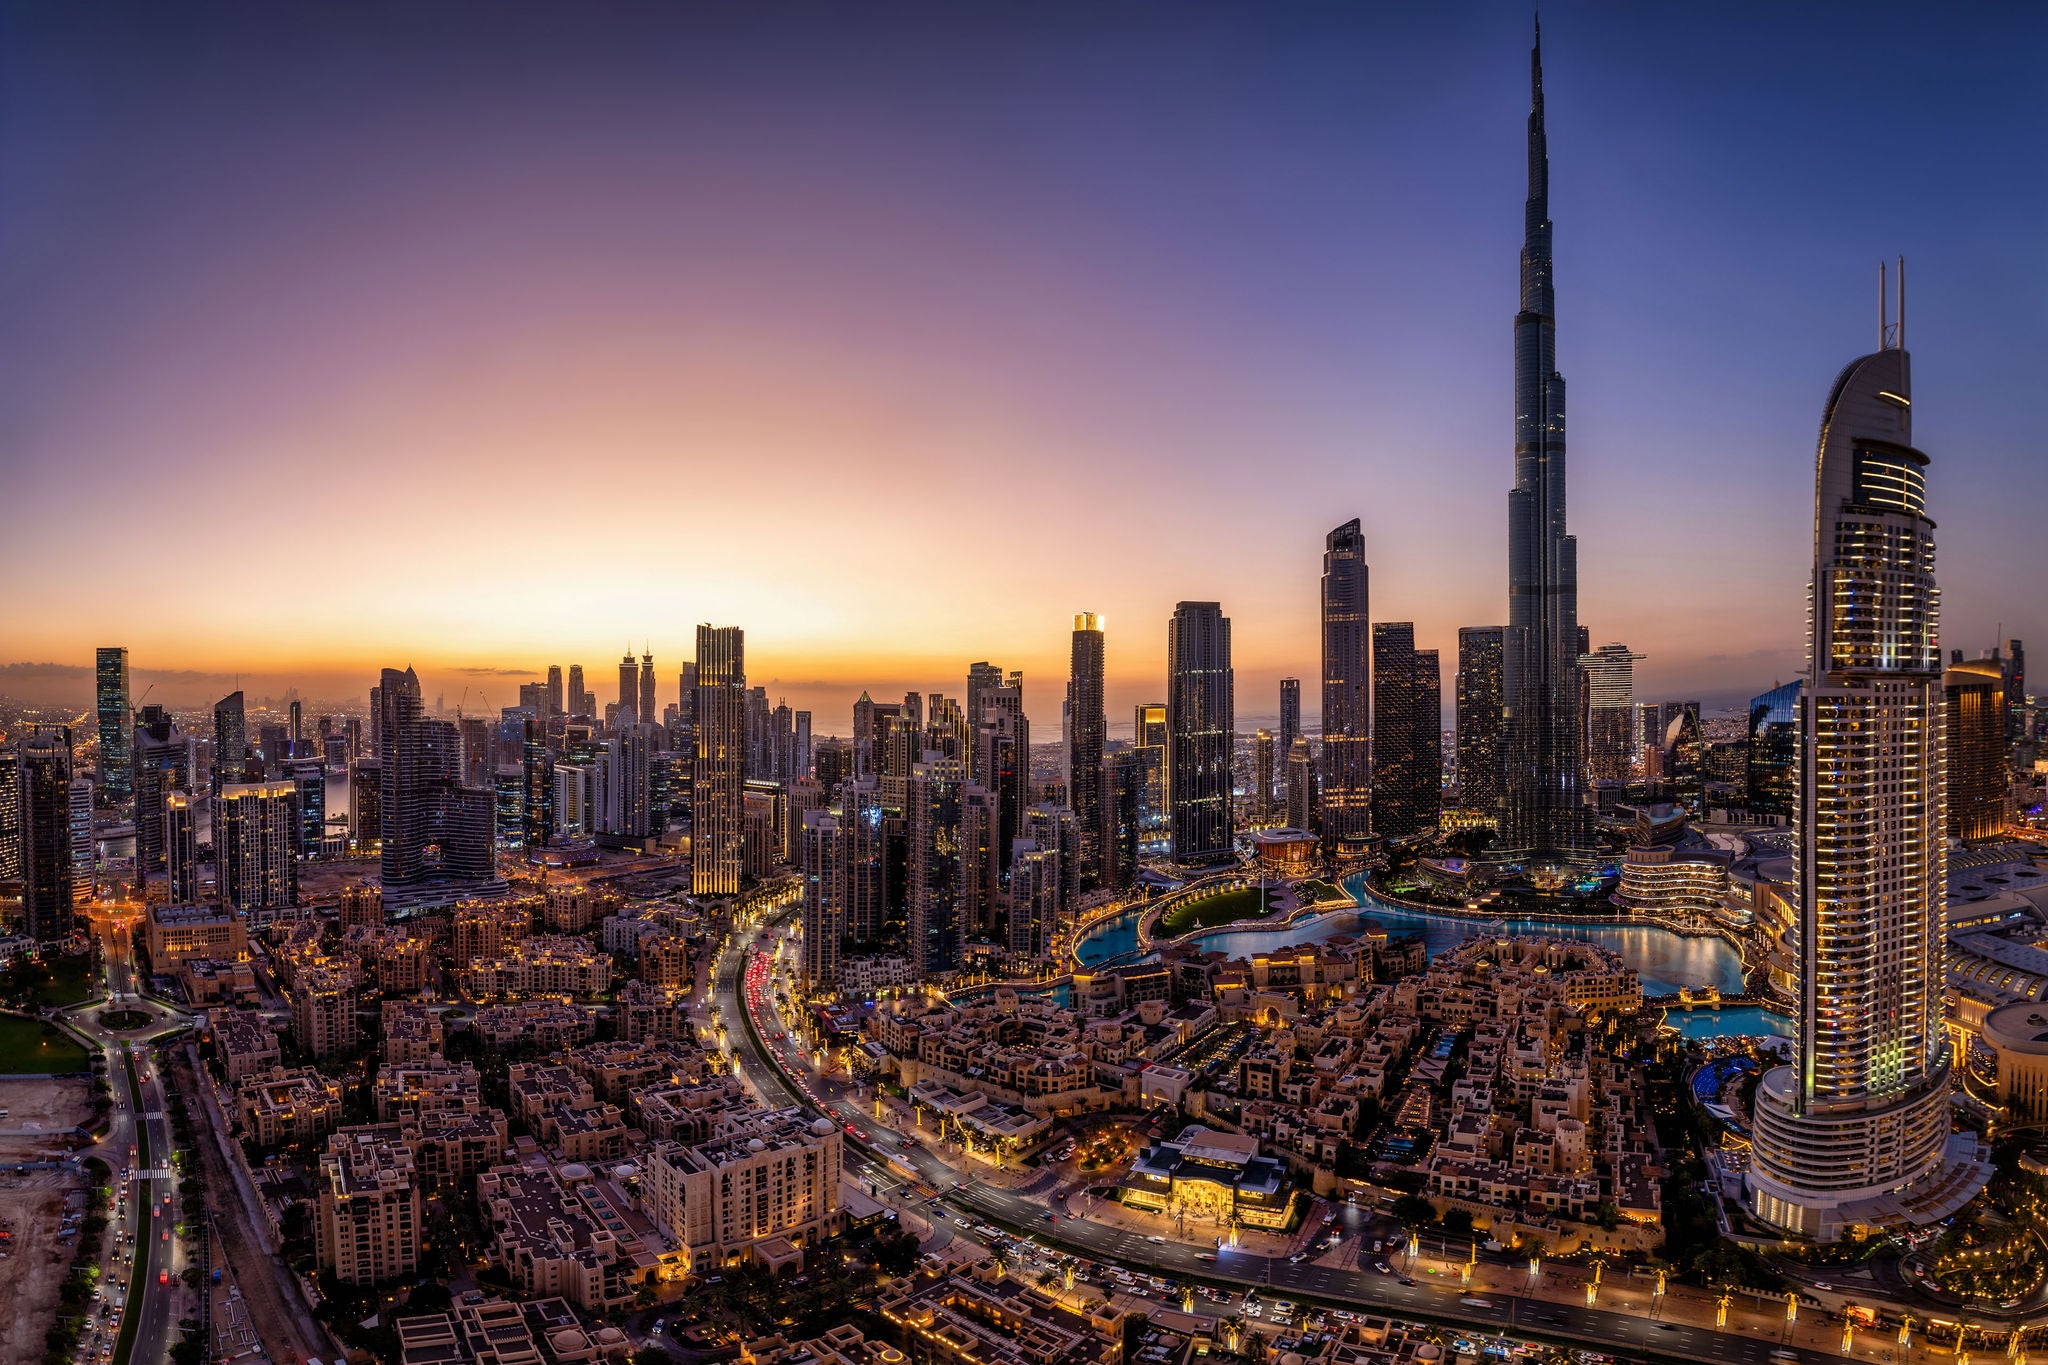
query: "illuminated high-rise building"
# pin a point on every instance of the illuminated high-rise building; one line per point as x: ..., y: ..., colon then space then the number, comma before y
x: 1480, y: 705
x: 863, y: 856
x: 537, y: 771
x: 1979, y: 793
x: 555, y: 698
x: 1304, y: 807
x: 230, y: 740
x: 645, y: 708
x: 1609, y: 672
x: 1408, y: 716
x: 1290, y: 714
x: 255, y: 843
x: 718, y: 782
x: 1200, y: 732
x: 580, y: 702
x: 1149, y: 743
x: 163, y: 763
x: 1123, y: 804
x: 10, y: 813
x: 84, y: 856
x: 110, y: 692
x: 1546, y: 819
x: 47, y: 883
x: 181, y: 847
x: 1773, y: 766
x: 431, y: 825
x: 1262, y: 776
x: 308, y: 777
x: 1347, y: 722
x: 824, y: 905
x: 629, y: 688
x: 1855, y: 1133
x: 934, y: 865
x: 1087, y: 728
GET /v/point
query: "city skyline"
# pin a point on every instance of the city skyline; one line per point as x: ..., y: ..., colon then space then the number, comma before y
x: 1664, y: 278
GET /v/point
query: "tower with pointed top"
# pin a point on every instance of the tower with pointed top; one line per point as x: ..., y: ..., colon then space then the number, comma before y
x: 1856, y: 1133
x: 1546, y: 819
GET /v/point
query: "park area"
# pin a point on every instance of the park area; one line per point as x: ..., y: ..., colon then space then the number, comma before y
x: 47, y: 983
x: 31, y: 1047
x: 1224, y: 907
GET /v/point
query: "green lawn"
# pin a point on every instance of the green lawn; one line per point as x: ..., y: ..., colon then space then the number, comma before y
x: 65, y: 980
x: 28, y: 1045
x: 1225, y: 907
x: 1316, y: 891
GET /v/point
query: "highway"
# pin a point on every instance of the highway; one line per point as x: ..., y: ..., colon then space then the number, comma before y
x: 139, y: 1138
x: 1761, y: 1342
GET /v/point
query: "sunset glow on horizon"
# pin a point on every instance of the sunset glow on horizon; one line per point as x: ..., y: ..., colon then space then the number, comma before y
x: 897, y: 341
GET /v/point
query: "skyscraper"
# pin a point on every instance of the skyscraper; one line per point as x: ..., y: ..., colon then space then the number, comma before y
x: 932, y: 818
x: 163, y: 763
x: 230, y: 740
x: 10, y: 813
x: 1856, y: 1131
x: 1408, y: 716
x: 645, y: 707
x: 1304, y: 809
x: 629, y: 687
x: 1149, y: 742
x: 1123, y: 787
x: 181, y: 847
x: 554, y: 694
x: 718, y: 782
x: 1773, y: 769
x: 538, y: 773
x: 1545, y: 817
x: 580, y: 702
x: 1262, y: 776
x: 255, y: 834
x: 84, y: 859
x: 430, y: 824
x: 1290, y: 713
x: 1974, y: 749
x: 1480, y: 706
x: 110, y: 690
x: 1610, y: 712
x: 1200, y: 732
x: 47, y: 884
x: 1087, y: 727
x: 862, y: 856
x: 824, y: 899
x: 1347, y: 689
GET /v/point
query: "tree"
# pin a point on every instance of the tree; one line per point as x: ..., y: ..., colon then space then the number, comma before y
x: 896, y: 1255
x: 1414, y: 1211
x: 1458, y: 1223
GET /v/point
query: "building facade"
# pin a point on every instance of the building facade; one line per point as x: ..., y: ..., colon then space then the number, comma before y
x: 1200, y: 730
x: 1347, y: 688
x: 718, y: 780
x: 1856, y: 1132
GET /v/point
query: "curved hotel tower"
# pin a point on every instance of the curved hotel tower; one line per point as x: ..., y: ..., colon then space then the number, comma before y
x: 1546, y: 819
x: 1856, y: 1132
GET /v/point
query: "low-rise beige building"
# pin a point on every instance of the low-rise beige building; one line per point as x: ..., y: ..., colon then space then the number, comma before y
x: 366, y: 1228
x: 768, y: 1177
x: 288, y: 1106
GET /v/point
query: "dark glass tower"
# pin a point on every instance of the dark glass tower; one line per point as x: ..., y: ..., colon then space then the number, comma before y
x: 1200, y: 729
x: 110, y: 677
x: 1087, y: 726
x: 1546, y: 817
x: 1408, y: 721
x: 1347, y: 688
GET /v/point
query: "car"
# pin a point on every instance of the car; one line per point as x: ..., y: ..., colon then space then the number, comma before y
x: 1206, y: 1256
x: 1822, y: 1284
x: 1051, y: 1217
x: 163, y: 1277
x: 1297, y: 1258
x: 1382, y: 1267
x: 1405, y: 1280
x: 1156, y: 1241
x: 167, y: 1235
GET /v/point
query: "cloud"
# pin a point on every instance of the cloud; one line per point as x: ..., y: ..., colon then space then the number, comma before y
x: 43, y: 672
x: 491, y: 671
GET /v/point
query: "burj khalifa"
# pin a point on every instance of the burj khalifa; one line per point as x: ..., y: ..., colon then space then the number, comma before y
x: 1546, y: 818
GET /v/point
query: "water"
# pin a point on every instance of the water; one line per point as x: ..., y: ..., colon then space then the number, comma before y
x: 1739, y: 1021
x: 1663, y: 960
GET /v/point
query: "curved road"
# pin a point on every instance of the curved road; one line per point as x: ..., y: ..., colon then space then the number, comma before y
x: 1493, y: 1309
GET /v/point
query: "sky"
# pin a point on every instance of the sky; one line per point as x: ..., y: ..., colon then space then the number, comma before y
x: 486, y: 337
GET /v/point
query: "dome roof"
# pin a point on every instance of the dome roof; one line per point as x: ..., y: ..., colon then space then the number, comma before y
x: 575, y: 1170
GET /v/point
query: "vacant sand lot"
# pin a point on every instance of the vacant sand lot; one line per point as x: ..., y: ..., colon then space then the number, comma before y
x: 40, y: 1116
x: 35, y: 1261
